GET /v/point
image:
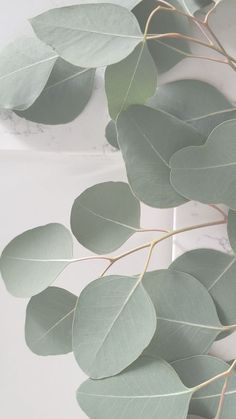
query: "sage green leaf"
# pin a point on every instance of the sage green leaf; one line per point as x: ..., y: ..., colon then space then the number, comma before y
x: 231, y: 229
x: 104, y: 216
x: 186, y: 316
x: 25, y: 66
x: 208, y: 173
x: 131, y: 81
x: 192, y: 6
x: 114, y: 322
x: 222, y: 22
x: 147, y: 139
x: 195, y: 417
x: 89, y: 35
x: 64, y: 97
x: 48, y: 324
x: 129, y: 4
x: 208, y: 109
x: 166, y: 52
x: 111, y: 134
x: 199, y: 369
x: 34, y: 259
x: 217, y: 272
x: 147, y: 389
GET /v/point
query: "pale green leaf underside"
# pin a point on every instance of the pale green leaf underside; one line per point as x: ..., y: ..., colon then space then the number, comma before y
x: 147, y: 139
x: 131, y: 81
x: 104, y: 216
x: 147, y: 389
x: 25, y: 66
x: 89, y: 35
x: 64, y: 97
x: 208, y: 173
x: 196, y: 370
x: 186, y: 316
x: 114, y: 322
x: 48, y: 324
x: 34, y: 259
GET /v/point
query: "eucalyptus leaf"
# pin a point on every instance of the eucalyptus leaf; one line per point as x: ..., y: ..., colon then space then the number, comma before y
x: 48, y: 324
x: 147, y: 139
x: 195, y: 417
x: 111, y: 134
x: 186, y: 316
x: 131, y: 81
x: 231, y: 229
x: 147, y: 389
x: 208, y: 173
x: 64, y: 97
x: 129, y: 4
x: 217, y: 272
x: 222, y: 22
x: 196, y: 370
x: 104, y: 216
x: 208, y: 109
x: 89, y: 35
x: 33, y: 260
x: 114, y: 322
x: 165, y: 52
x: 25, y: 66
x: 193, y: 6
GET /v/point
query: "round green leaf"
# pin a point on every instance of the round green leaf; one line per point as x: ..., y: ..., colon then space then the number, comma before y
x: 208, y: 109
x: 148, y: 389
x: 64, y: 97
x: 25, y: 66
x: 48, y: 324
x: 34, y: 259
x: 114, y: 322
x: 186, y: 316
x: 217, y: 272
x: 196, y: 370
x: 104, y: 216
x: 148, y: 138
x: 208, y: 173
x: 111, y: 134
x: 131, y: 81
x: 89, y: 35
x: 231, y: 228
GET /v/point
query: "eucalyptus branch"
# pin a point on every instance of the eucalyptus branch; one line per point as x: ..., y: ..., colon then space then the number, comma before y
x: 222, y: 398
x: 217, y: 377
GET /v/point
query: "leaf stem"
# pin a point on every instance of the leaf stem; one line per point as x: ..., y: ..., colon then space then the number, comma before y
x: 217, y: 377
x: 222, y: 398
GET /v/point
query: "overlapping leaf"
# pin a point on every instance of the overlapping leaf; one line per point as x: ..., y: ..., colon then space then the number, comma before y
x: 147, y: 389
x: 104, y: 216
x: 111, y: 134
x: 89, y: 35
x: 48, y: 324
x: 208, y: 173
x: 33, y: 260
x: 148, y: 138
x: 114, y: 322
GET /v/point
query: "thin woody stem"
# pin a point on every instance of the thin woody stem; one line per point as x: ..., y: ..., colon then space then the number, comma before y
x: 217, y: 377
x: 222, y: 398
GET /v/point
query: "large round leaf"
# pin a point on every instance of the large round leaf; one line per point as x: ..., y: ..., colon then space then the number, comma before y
x: 146, y: 390
x: 130, y: 82
x: 186, y: 316
x: 208, y: 173
x: 148, y: 138
x: 34, y: 259
x: 25, y: 66
x: 48, y: 324
x: 89, y: 35
x: 114, y: 322
x: 64, y: 97
x: 217, y: 272
x: 208, y: 109
x: 196, y: 370
x: 104, y: 216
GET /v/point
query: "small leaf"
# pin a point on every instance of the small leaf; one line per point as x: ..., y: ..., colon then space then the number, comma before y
x: 231, y: 228
x: 65, y: 96
x: 89, y: 35
x: 25, y: 66
x: 217, y: 272
x: 186, y: 316
x: 208, y: 173
x: 48, y: 325
x: 208, y: 109
x: 34, y: 259
x: 147, y: 389
x: 104, y: 216
x: 111, y: 134
x: 114, y: 322
x: 196, y: 370
x: 131, y: 81
x: 147, y: 139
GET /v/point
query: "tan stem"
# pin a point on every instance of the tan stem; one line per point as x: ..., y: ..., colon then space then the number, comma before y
x: 217, y: 377
x: 222, y: 398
